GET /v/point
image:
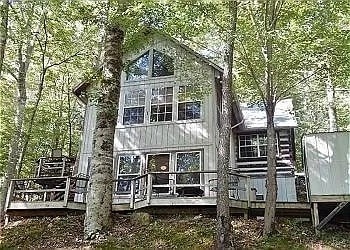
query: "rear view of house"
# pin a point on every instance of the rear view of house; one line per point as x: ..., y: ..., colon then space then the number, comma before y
x: 166, y: 140
x: 168, y: 124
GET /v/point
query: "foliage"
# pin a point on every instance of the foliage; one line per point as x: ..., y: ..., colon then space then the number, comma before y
x: 176, y: 232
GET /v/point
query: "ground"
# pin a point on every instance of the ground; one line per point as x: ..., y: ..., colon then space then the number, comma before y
x: 175, y: 232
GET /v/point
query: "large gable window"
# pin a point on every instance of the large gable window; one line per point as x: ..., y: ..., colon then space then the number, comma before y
x: 187, y: 108
x: 161, y: 104
x: 163, y: 65
x: 139, y: 68
x: 252, y: 146
x: 152, y: 63
x: 128, y: 168
x: 134, y: 107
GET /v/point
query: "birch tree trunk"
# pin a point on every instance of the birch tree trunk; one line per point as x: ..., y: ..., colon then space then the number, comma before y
x: 332, y: 112
x: 223, y: 236
x: 99, y: 201
x: 4, y: 10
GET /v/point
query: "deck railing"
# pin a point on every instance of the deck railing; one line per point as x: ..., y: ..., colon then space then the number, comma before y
x: 152, y: 185
x: 47, y: 189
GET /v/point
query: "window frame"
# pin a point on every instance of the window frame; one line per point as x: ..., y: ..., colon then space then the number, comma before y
x: 257, y: 146
x: 159, y: 104
x: 125, y: 106
x: 150, y: 66
x: 188, y: 101
x: 200, y: 168
x: 118, y: 174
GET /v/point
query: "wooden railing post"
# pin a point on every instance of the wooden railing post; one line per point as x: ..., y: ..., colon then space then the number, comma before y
x: 132, y: 194
x: 9, y: 195
x: 248, y: 189
x: 63, y: 165
x: 149, y: 187
x: 66, y: 192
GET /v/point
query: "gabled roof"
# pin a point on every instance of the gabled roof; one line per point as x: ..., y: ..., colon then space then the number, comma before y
x: 255, y: 115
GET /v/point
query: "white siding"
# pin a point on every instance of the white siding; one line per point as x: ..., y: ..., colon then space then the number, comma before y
x: 286, y: 188
x: 87, y: 138
x: 327, y: 158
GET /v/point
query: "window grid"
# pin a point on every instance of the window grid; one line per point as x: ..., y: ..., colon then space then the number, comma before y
x: 129, y: 166
x: 161, y: 104
x: 252, y: 146
x: 188, y: 161
x: 188, y: 109
x: 134, y: 107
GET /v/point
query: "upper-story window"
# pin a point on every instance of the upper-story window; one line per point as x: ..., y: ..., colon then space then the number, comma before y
x: 134, y: 107
x: 163, y: 65
x: 139, y: 68
x: 161, y: 104
x: 251, y: 146
x: 188, y: 108
x: 151, y: 64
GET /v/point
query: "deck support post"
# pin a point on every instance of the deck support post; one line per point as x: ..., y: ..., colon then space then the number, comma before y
x: 132, y: 193
x: 7, y: 220
x: 331, y: 215
x: 9, y: 195
x: 315, y: 216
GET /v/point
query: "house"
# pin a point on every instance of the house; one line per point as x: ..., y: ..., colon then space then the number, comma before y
x: 166, y: 140
x: 168, y: 124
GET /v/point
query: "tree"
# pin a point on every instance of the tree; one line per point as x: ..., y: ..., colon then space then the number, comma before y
x: 270, y: 70
x: 99, y: 202
x: 4, y: 10
x: 223, y: 207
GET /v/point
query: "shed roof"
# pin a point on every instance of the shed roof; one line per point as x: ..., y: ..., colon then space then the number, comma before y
x: 255, y: 115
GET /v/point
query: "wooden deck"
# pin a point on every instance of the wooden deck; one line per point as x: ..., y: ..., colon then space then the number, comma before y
x: 69, y: 194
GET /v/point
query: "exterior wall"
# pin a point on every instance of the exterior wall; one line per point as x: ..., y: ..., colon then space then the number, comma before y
x: 87, y: 139
x: 327, y: 162
x: 257, y: 167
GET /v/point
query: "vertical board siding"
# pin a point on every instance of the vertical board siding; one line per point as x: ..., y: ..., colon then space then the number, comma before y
x: 286, y: 188
x: 87, y: 139
x: 327, y: 158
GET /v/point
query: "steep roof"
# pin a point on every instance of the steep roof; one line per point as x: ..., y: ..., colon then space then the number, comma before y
x: 255, y: 115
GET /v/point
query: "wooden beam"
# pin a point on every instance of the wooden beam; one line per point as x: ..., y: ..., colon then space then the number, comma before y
x: 331, y: 215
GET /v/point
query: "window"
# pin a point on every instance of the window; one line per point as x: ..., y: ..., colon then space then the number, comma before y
x: 252, y: 146
x: 163, y: 65
x: 161, y: 104
x: 185, y: 162
x: 187, y: 108
x: 139, y: 68
x: 134, y: 107
x: 129, y: 167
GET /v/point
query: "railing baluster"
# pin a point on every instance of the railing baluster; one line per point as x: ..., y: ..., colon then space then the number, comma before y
x: 248, y: 189
x: 132, y: 194
x: 66, y: 192
x: 149, y: 187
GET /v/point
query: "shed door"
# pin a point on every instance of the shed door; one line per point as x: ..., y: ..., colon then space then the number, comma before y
x: 159, y: 163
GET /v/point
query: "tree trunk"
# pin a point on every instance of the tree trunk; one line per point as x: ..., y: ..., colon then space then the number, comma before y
x: 271, y: 181
x: 99, y: 202
x: 223, y: 236
x: 17, y: 135
x: 4, y: 10
x: 332, y: 112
